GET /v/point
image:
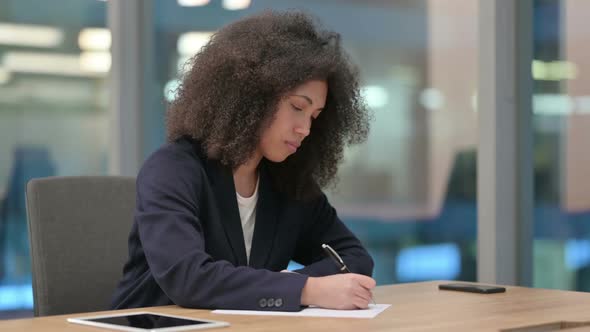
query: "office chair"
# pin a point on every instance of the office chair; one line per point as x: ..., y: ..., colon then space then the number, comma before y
x: 78, y: 229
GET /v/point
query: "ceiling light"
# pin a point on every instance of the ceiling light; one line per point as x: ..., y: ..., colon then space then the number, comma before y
x: 94, y: 39
x: 432, y: 99
x: 235, y: 4
x: 51, y: 64
x: 96, y: 62
x: 171, y: 90
x: 190, y: 43
x: 5, y: 75
x: 192, y: 3
x: 30, y: 35
x: 376, y: 96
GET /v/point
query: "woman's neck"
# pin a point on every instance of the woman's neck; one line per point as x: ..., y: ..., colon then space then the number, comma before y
x: 246, y: 176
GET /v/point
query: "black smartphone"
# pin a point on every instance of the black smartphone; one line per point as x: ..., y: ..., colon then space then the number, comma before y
x: 472, y: 288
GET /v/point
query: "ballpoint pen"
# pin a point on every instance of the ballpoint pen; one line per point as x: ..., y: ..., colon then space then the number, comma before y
x: 338, y: 260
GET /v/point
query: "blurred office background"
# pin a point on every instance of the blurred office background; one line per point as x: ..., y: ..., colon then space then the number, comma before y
x: 409, y: 193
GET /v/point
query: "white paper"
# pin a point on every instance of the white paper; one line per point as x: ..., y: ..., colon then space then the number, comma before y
x: 371, y: 312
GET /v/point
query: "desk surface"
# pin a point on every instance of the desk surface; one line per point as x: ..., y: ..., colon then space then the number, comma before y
x: 415, y: 307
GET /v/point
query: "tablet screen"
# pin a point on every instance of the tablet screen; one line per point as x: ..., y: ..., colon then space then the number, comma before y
x: 147, y: 321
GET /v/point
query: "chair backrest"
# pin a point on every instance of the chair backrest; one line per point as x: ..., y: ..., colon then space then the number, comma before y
x: 78, y: 229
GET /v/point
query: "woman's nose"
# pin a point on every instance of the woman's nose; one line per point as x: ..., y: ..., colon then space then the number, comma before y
x: 303, y: 129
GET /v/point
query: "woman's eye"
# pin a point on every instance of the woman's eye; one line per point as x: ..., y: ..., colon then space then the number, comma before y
x: 296, y: 108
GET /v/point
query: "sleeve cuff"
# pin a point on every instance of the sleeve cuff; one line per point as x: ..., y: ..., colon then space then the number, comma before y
x: 287, y: 300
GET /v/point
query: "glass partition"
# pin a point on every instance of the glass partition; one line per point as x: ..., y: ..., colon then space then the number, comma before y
x: 561, y: 103
x: 54, y: 63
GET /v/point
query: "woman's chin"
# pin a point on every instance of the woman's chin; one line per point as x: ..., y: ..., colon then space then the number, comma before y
x: 278, y: 158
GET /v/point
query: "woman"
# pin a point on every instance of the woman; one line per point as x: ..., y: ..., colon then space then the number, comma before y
x: 258, y: 127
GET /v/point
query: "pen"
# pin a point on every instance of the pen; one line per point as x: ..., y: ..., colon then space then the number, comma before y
x: 338, y: 260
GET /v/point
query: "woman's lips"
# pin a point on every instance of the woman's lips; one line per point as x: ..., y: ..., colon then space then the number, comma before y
x: 292, y: 146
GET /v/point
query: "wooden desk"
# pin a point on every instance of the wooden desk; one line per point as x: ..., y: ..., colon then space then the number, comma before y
x: 415, y: 307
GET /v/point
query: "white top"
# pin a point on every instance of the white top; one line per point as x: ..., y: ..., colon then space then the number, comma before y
x: 247, y: 207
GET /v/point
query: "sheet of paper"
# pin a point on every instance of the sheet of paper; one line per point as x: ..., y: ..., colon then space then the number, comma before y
x: 371, y: 312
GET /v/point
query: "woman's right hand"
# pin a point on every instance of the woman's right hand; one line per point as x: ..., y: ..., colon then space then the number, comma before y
x: 339, y: 291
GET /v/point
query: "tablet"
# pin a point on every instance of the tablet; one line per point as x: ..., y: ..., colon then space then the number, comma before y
x: 147, y: 321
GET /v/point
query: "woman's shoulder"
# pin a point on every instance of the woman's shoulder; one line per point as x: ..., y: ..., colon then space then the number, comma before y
x: 184, y: 154
x: 174, y: 170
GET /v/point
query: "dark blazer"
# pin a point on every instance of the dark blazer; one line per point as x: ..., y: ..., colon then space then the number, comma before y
x: 186, y: 245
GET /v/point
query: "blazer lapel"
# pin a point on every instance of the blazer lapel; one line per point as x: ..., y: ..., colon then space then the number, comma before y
x: 225, y: 194
x: 266, y: 222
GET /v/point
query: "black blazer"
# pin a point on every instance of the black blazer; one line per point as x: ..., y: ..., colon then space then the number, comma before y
x: 186, y: 245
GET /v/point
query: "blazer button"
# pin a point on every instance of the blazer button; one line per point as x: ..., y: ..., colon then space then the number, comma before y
x: 278, y: 303
x: 262, y: 303
x: 270, y: 302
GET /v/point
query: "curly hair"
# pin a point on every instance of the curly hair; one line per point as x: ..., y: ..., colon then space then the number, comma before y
x: 231, y: 91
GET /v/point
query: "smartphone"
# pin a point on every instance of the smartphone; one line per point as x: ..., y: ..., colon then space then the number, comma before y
x: 472, y: 288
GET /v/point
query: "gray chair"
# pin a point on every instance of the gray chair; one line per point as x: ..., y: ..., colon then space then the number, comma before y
x: 78, y: 229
